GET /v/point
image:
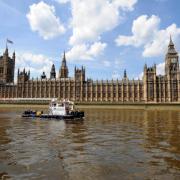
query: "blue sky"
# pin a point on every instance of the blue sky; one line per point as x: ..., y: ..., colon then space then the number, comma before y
x: 106, y: 36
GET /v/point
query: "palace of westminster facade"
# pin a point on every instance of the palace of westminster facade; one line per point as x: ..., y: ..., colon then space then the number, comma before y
x: 152, y: 87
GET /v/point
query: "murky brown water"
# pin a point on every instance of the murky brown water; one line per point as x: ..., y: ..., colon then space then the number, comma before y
x: 109, y: 144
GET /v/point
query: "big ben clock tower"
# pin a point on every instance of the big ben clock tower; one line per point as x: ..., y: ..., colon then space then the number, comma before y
x: 172, y: 72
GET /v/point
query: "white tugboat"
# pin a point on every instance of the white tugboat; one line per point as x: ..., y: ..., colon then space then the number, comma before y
x: 58, y: 110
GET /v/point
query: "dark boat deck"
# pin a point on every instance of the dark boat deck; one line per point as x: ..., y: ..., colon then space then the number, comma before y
x: 72, y: 116
x: 47, y: 116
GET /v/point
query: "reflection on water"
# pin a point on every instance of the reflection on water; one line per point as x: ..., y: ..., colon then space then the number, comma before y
x: 109, y: 144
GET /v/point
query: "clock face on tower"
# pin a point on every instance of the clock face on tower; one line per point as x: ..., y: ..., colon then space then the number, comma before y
x: 173, y: 60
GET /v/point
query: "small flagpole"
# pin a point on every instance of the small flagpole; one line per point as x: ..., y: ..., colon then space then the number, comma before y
x: 8, y: 41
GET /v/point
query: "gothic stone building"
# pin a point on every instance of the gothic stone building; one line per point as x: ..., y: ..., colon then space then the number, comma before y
x: 7, y: 65
x: 152, y: 88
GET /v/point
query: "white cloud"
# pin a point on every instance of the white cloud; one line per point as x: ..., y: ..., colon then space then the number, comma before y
x: 160, y: 69
x: 125, y: 4
x: 143, y: 29
x: 90, y: 18
x: 42, y: 18
x: 97, y: 48
x: 158, y: 45
x: 146, y: 33
x: 86, y: 52
x: 36, y: 63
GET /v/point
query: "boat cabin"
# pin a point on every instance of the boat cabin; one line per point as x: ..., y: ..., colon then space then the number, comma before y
x: 60, y: 107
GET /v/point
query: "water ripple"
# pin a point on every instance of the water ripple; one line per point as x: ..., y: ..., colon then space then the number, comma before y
x: 109, y: 144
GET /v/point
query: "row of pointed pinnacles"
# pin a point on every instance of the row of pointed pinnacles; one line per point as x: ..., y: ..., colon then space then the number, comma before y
x: 152, y: 88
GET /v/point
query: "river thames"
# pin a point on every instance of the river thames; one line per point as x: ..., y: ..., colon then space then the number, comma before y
x: 108, y: 144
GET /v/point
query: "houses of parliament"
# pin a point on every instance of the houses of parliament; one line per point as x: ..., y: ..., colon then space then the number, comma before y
x: 152, y: 88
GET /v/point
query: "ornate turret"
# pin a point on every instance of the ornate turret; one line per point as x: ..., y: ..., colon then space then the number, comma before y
x: 14, y: 56
x: 29, y: 74
x: 125, y: 74
x: 6, y: 53
x: 64, y: 60
x: 23, y: 76
x: 80, y: 74
x: 145, y: 67
x: 43, y: 76
x: 171, y: 61
x: 53, y: 72
x: 63, y: 72
x: 171, y: 48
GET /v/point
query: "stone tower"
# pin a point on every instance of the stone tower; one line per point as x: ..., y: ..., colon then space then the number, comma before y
x: 149, y: 79
x: 23, y: 76
x: 172, y: 71
x: 7, y: 65
x: 79, y: 74
x: 63, y: 72
x: 53, y: 72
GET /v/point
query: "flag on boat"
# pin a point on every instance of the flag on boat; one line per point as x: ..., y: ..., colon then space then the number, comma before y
x: 9, y: 41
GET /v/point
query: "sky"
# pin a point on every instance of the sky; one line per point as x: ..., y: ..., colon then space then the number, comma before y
x: 105, y: 36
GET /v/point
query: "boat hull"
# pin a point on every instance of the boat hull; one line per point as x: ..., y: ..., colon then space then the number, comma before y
x: 71, y: 116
